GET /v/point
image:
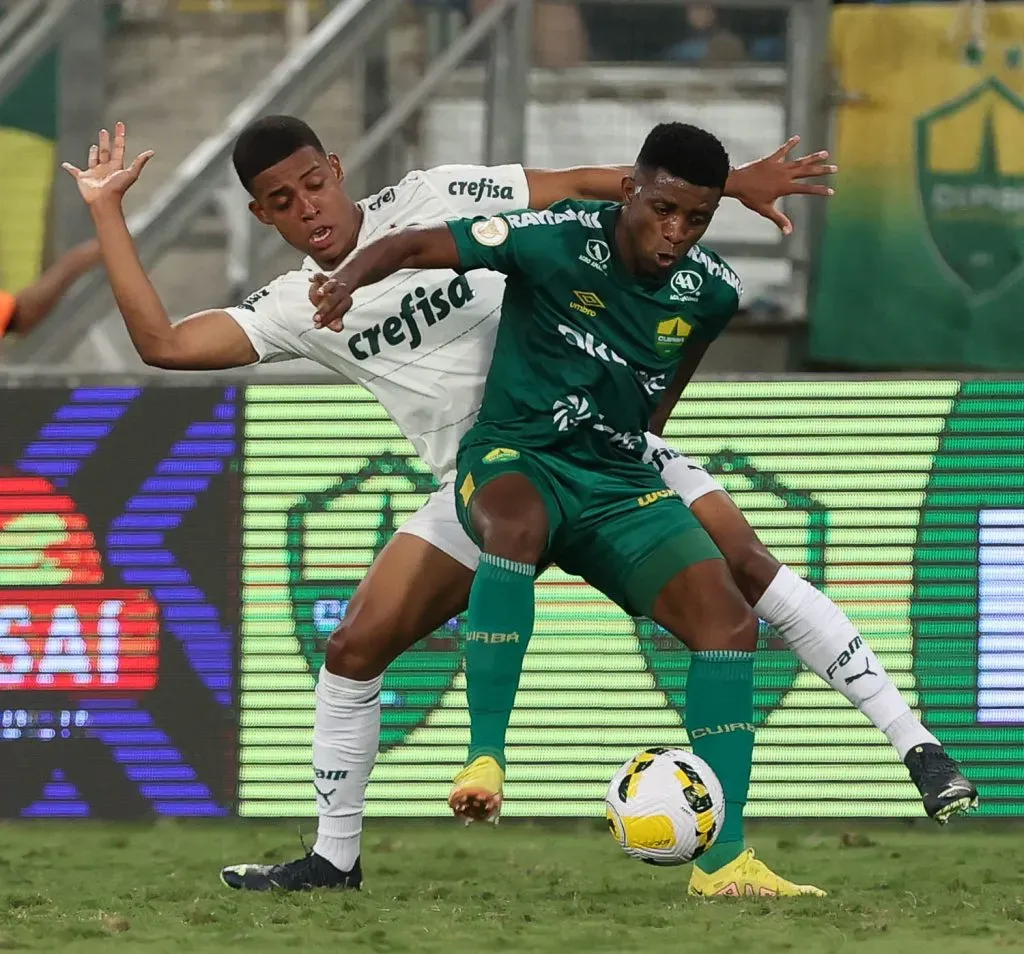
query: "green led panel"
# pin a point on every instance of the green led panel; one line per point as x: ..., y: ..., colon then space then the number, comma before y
x: 902, y: 499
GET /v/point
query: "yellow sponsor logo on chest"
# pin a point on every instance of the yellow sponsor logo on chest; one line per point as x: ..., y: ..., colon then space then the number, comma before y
x: 647, y: 499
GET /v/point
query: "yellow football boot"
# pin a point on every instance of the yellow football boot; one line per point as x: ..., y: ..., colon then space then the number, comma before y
x: 746, y: 877
x: 476, y: 791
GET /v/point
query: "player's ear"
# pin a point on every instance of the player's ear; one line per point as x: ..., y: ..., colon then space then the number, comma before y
x: 256, y: 209
x: 335, y: 163
x: 628, y: 189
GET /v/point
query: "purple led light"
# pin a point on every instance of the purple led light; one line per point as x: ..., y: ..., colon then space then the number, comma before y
x: 89, y: 412
x: 137, y: 546
x: 145, y: 521
x: 167, y: 503
x: 205, y: 429
x: 207, y: 644
x: 160, y: 773
x: 190, y: 467
x: 203, y: 448
x: 105, y: 395
x: 61, y: 449
x: 175, y: 485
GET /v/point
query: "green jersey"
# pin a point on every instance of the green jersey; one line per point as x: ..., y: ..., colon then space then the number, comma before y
x: 585, y: 348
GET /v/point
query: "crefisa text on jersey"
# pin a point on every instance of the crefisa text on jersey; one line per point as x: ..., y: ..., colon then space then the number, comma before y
x: 481, y: 189
x: 429, y: 307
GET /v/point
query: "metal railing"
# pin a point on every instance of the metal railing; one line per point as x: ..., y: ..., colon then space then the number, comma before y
x: 300, y: 76
x: 351, y: 28
x: 29, y: 30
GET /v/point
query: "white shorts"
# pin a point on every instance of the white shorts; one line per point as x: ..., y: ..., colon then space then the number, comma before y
x: 437, y: 522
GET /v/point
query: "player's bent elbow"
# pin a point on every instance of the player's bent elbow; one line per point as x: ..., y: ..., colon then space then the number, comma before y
x: 168, y: 356
x: 154, y: 359
x: 161, y: 356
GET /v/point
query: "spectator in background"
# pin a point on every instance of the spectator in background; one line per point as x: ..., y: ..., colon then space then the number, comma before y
x: 21, y: 312
x: 559, y: 35
x: 569, y: 32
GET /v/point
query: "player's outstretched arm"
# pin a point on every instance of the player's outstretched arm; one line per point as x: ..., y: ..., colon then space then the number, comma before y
x: 209, y: 340
x: 408, y: 248
x: 33, y: 304
x: 758, y: 185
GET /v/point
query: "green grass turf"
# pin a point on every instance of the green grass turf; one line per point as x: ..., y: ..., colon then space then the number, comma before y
x: 73, y: 887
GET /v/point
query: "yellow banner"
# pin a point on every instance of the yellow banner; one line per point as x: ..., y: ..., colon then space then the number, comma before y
x: 924, y: 250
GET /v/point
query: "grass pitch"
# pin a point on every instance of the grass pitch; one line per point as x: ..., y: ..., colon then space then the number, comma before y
x: 73, y: 887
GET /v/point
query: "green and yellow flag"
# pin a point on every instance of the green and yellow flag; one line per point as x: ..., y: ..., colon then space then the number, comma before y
x: 28, y: 131
x: 923, y: 259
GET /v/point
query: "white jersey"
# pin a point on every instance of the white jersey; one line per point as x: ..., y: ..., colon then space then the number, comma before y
x: 420, y: 341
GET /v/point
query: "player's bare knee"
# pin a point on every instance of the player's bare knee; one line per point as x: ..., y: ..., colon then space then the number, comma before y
x: 512, y: 525
x: 523, y: 540
x: 753, y: 568
x: 738, y: 632
x: 359, y: 649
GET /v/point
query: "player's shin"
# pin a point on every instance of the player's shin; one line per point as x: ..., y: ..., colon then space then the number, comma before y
x: 821, y: 634
x: 720, y: 723
x: 346, y: 733
x: 499, y: 627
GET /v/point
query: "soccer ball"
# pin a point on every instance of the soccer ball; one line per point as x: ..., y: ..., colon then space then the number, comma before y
x: 665, y: 806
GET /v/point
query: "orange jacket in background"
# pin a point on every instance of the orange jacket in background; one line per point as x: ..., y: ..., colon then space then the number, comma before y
x: 7, y: 303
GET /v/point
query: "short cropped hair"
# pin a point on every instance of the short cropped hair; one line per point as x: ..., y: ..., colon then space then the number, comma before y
x: 686, y: 152
x: 268, y: 140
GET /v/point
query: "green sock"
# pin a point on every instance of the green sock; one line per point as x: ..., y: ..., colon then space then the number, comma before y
x: 720, y: 721
x: 499, y: 628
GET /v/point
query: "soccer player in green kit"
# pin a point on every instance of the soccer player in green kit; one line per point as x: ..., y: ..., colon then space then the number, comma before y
x: 601, y: 304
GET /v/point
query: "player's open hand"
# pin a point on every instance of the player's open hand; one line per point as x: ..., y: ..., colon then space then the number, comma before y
x: 760, y: 184
x: 106, y: 178
x: 332, y: 301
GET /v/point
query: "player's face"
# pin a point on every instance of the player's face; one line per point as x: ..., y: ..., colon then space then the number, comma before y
x: 664, y: 218
x: 302, y: 198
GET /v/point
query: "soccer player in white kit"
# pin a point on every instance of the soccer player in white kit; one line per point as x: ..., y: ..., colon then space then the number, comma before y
x: 421, y: 343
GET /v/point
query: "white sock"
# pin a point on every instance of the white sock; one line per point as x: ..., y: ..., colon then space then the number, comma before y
x: 820, y: 633
x: 346, y: 732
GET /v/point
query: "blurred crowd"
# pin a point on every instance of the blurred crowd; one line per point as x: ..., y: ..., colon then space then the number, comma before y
x: 570, y: 32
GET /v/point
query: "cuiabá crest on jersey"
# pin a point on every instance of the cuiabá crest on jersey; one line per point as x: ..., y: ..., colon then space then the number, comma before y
x: 970, y: 175
x: 671, y: 334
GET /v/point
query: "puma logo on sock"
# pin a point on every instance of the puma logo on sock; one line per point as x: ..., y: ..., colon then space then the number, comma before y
x: 326, y: 796
x: 868, y: 671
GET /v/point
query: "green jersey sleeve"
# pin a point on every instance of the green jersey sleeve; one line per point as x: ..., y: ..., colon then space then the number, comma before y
x: 489, y: 243
x: 496, y: 245
x: 527, y: 243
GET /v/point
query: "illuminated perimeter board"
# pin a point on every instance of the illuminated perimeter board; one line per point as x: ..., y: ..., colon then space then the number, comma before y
x: 903, y: 500
x: 116, y: 571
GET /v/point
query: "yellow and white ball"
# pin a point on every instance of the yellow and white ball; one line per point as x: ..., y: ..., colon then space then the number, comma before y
x: 665, y: 806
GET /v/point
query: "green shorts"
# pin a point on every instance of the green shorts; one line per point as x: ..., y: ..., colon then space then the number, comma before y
x: 625, y: 532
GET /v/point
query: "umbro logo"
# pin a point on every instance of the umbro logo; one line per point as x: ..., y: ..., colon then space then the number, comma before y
x: 586, y: 302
